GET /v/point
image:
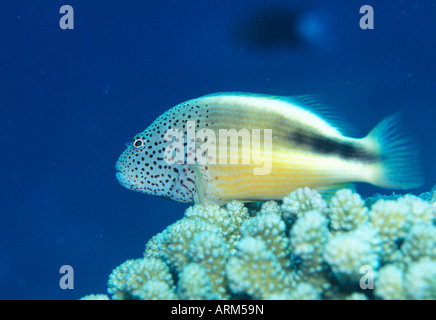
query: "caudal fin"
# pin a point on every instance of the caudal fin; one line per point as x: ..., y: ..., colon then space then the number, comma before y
x: 400, y: 156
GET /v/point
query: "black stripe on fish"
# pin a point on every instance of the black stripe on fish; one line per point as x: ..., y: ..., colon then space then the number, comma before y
x: 326, y: 145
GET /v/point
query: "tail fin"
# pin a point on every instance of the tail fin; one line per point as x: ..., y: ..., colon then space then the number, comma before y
x: 400, y: 156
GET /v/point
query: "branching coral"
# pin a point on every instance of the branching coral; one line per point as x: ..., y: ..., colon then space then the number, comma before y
x: 390, y: 283
x: 210, y: 251
x: 421, y: 211
x: 391, y: 219
x: 302, y: 200
x: 270, y: 228
x: 419, y: 243
x: 147, y: 278
x: 229, y: 221
x: 174, y: 241
x: 346, y: 253
x: 308, y: 236
x: 414, y: 281
x: 302, y: 249
x: 421, y: 280
x: 95, y: 297
x: 195, y: 284
x: 347, y: 210
x: 302, y: 291
x: 255, y: 270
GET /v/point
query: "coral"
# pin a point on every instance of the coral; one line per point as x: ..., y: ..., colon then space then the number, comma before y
x: 303, y: 291
x: 373, y: 199
x: 302, y: 249
x: 117, y: 284
x: 174, y: 241
x: 416, y: 281
x: 391, y: 219
x: 421, y: 211
x: 147, y: 278
x: 419, y: 243
x: 152, y: 248
x: 209, y: 250
x: 254, y: 270
x: 301, y: 200
x: 95, y: 297
x: 390, y: 283
x: 356, y: 296
x: 308, y: 237
x: 347, y: 210
x: 270, y: 228
x: 421, y: 280
x: 229, y: 221
x: 195, y: 284
x: 155, y: 290
x: 346, y: 253
x: 270, y: 207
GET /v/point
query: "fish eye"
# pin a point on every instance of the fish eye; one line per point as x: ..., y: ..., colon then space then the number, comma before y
x: 139, y: 143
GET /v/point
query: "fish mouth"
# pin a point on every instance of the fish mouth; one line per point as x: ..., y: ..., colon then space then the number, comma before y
x: 120, y: 177
x: 125, y: 182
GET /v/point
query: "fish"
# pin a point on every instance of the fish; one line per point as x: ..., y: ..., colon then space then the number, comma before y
x: 188, y: 154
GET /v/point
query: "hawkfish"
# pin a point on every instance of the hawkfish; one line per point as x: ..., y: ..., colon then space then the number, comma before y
x: 255, y: 147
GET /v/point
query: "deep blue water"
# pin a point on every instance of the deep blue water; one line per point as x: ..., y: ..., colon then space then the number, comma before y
x: 71, y: 99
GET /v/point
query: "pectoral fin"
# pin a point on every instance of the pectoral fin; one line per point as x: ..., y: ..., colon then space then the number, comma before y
x: 201, y: 180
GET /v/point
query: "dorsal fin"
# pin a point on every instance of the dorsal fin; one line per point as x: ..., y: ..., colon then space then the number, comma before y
x: 329, y: 114
x: 308, y: 102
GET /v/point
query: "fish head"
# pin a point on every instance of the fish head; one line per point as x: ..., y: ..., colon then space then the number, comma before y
x: 129, y: 166
x: 142, y: 168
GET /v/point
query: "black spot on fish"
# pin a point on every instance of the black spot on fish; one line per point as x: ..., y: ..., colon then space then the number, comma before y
x: 327, y: 145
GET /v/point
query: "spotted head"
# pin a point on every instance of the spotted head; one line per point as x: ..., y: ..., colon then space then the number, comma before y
x: 142, y: 167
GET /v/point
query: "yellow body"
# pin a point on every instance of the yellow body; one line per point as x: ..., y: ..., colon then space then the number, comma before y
x: 292, y: 167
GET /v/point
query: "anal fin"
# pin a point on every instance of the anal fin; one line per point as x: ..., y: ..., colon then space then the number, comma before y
x: 328, y: 192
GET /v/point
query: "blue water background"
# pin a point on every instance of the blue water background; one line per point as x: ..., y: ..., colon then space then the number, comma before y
x: 71, y: 99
